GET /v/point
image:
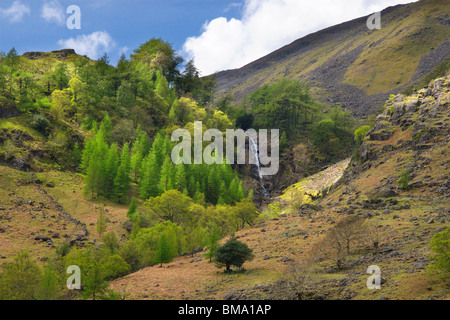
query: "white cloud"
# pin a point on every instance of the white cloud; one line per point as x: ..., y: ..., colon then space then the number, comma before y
x: 93, y: 45
x: 267, y: 25
x: 53, y: 11
x: 15, y: 12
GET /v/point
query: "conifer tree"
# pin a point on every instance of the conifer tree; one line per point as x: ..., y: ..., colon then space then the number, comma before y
x: 180, y: 177
x: 141, y: 147
x: 125, y: 157
x: 95, y: 177
x: 166, y: 181
x: 212, y: 243
x: 234, y: 190
x: 111, y: 168
x: 122, y: 180
x: 121, y: 184
x: 148, y: 184
x: 163, y: 255
x: 158, y: 149
x: 132, y: 208
x: 136, y: 164
x: 212, y: 193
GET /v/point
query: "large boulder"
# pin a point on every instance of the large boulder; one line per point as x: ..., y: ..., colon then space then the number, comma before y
x: 42, y: 238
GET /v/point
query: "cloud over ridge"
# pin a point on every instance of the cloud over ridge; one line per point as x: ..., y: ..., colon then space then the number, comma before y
x: 92, y: 45
x: 267, y: 25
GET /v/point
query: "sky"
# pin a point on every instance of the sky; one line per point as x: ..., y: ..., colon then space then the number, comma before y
x: 217, y: 34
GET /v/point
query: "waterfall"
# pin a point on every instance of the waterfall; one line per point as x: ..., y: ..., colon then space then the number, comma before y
x: 254, y: 150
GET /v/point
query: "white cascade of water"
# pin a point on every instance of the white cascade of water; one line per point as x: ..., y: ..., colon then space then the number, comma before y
x: 255, y: 151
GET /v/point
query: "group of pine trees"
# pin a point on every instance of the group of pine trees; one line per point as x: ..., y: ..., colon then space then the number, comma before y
x: 110, y: 172
x: 107, y: 170
x: 217, y: 184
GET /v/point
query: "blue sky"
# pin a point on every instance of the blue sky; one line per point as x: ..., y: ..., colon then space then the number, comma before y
x: 219, y: 34
x: 129, y: 23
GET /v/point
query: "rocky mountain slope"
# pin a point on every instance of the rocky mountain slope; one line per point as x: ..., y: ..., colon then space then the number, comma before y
x: 41, y: 211
x: 354, y: 66
x: 293, y: 260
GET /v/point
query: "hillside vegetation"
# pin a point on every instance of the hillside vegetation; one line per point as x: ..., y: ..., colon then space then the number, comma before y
x: 321, y: 247
x: 87, y: 177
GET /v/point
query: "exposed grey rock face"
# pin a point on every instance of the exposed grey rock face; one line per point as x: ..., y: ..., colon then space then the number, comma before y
x: 64, y: 53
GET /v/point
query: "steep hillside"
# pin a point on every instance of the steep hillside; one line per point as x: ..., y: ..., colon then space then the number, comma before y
x: 354, y: 66
x: 39, y: 212
x: 294, y: 257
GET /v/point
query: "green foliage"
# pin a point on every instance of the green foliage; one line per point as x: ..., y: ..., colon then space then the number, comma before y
x: 50, y: 287
x: 404, y: 179
x: 245, y: 213
x: 275, y: 208
x: 97, y: 265
x: 40, y: 123
x: 107, y: 175
x: 132, y: 208
x: 202, y: 89
x: 170, y: 206
x: 111, y: 242
x: 186, y: 224
x: 440, y: 245
x: 233, y: 253
x: 132, y: 255
x: 94, y: 283
x: 158, y: 174
x: 114, y: 267
x: 285, y: 105
x: 332, y: 136
x: 60, y: 76
x: 360, y: 133
x: 288, y: 106
x: 63, y: 249
x: 163, y: 255
x: 212, y: 243
x: 21, y: 279
x: 122, y: 179
x: 61, y: 104
x: 159, y: 54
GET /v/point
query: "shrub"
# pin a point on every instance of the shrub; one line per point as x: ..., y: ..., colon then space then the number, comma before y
x: 40, y: 122
x: 20, y: 279
x: 404, y: 180
x: 360, y: 133
x: 233, y: 253
x: 114, y: 267
x: 63, y: 249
